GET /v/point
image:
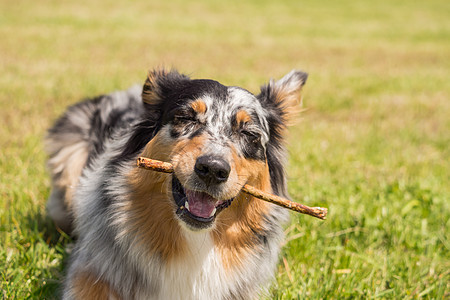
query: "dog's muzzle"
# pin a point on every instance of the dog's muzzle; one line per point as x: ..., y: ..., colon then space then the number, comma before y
x: 198, y: 209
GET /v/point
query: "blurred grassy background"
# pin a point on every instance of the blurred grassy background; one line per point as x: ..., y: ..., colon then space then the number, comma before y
x: 373, y: 145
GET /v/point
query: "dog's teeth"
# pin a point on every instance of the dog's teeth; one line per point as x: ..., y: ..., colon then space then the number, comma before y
x: 186, y: 204
x: 213, y: 212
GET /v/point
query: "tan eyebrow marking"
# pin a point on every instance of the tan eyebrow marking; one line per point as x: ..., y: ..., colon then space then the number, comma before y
x: 199, y: 106
x: 243, y: 117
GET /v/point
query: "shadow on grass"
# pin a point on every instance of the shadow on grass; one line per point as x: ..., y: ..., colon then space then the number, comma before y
x: 54, y: 246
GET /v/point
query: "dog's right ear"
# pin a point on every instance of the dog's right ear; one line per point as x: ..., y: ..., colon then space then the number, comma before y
x: 159, y: 83
x: 158, y: 88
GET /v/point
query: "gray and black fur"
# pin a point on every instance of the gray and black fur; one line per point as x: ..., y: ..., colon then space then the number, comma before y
x: 78, y: 137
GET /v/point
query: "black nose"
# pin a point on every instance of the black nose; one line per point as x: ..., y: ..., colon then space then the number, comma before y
x: 211, y: 169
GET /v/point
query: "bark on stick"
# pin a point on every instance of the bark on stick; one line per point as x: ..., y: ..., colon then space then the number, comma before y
x: 318, y: 212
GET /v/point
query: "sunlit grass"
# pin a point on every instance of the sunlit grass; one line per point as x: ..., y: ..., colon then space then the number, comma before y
x: 373, y: 145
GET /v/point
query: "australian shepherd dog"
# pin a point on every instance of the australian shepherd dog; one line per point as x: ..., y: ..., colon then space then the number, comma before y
x: 190, y: 234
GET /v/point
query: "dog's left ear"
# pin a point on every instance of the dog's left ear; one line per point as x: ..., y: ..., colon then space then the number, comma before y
x: 284, y: 97
x: 281, y: 99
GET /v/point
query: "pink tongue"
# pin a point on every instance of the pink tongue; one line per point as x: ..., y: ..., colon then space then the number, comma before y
x: 200, y: 204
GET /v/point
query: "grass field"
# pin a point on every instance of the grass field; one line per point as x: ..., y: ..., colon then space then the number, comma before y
x: 373, y: 146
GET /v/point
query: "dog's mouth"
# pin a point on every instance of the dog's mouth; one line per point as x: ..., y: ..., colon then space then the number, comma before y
x: 196, y: 209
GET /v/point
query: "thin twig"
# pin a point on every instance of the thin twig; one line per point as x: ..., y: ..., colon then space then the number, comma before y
x: 318, y: 212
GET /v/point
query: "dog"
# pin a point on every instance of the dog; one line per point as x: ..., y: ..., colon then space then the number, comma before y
x: 191, y: 234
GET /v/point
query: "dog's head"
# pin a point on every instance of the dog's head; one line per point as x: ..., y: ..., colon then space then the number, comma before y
x: 217, y: 137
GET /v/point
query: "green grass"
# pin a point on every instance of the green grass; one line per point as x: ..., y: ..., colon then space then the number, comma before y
x: 373, y: 146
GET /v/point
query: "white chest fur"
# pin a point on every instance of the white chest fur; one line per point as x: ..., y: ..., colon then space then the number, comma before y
x: 198, y: 275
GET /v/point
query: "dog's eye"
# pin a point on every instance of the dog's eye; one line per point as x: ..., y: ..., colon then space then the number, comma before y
x: 184, y: 118
x: 253, y: 137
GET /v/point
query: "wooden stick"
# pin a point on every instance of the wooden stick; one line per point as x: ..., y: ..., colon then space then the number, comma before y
x: 318, y: 212
x: 155, y: 165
